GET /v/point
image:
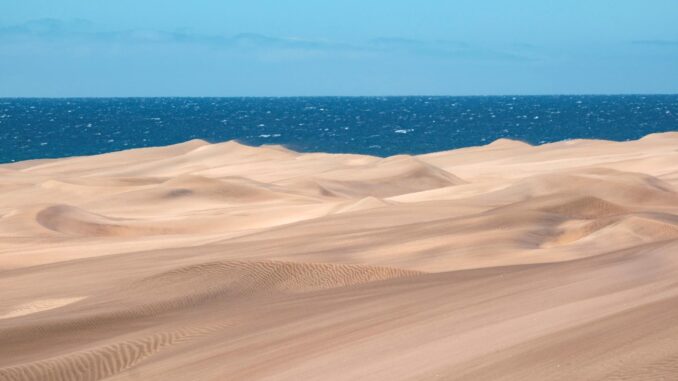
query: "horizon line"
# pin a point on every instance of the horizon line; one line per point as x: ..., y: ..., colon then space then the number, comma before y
x: 337, y: 96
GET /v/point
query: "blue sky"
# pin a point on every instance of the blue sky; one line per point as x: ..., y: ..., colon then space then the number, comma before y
x: 337, y: 47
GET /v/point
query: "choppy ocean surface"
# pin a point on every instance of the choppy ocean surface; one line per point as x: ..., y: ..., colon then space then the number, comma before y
x: 46, y: 128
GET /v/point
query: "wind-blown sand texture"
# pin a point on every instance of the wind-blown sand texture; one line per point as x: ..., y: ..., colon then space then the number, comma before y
x: 226, y: 262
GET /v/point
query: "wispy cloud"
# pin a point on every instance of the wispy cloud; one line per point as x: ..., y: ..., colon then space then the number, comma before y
x: 49, y: 28
x: 665, y: 43
x: 444, y: 49
x: 82, y: 30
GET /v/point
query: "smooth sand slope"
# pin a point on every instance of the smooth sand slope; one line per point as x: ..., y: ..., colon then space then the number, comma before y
x: 226, y: 262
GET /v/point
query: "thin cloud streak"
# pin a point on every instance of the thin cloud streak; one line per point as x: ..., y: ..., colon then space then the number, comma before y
x: 46, y: 30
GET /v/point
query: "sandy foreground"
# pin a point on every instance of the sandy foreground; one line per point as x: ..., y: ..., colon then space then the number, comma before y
x: 226, y: 262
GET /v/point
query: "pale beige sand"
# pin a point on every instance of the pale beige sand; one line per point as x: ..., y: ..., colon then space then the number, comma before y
x: 226, y: 262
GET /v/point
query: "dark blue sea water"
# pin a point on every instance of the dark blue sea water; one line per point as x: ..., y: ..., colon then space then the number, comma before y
x: 42, y: 128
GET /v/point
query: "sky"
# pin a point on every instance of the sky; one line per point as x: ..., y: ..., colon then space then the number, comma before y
x: 101, y: 48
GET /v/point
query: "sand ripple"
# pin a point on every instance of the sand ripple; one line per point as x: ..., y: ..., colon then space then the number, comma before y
x: 207, y: 261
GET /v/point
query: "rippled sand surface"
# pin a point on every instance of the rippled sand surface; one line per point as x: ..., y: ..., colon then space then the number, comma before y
x: 227, y: 262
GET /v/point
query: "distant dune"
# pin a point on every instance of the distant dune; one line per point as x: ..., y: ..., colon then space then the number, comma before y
x: 222, y: 261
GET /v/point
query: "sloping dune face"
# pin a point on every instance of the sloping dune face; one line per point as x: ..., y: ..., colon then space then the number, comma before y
x: 227, y: 262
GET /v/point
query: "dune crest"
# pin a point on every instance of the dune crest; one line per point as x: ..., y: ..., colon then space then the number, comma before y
x: 202, y: 261
x: 38, y: 306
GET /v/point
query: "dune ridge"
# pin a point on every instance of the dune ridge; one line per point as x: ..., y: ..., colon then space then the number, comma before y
x: 229, y: 262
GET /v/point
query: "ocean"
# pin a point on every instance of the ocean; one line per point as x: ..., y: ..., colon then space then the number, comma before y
x: 382, y: 126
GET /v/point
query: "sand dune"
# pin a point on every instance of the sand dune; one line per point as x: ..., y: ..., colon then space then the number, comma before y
x: 37, y: 306
x: 388, y: 177
x: 222, y: 261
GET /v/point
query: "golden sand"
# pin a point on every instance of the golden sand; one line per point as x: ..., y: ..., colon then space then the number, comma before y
x: 226, y: 262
